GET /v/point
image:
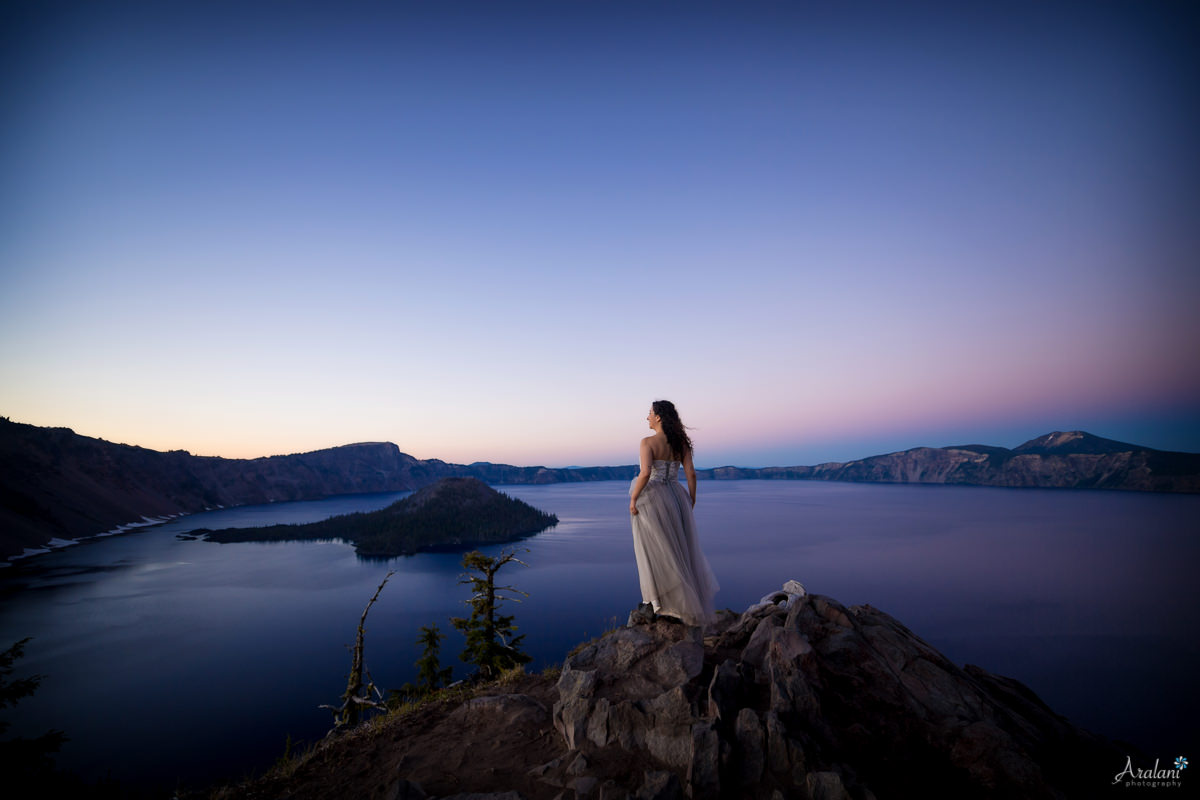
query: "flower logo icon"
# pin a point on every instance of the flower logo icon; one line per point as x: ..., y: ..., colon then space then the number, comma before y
x: 1181, y: 763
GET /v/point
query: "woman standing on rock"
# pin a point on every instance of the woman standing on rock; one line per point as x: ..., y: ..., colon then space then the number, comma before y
x: 674, y: 575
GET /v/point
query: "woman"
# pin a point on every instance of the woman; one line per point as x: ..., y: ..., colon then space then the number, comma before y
x: 675, y: 577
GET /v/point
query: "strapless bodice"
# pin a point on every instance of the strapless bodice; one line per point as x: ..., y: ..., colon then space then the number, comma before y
x: 663, y: 471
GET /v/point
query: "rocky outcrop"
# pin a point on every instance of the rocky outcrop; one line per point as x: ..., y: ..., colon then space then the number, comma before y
x: 796, y: 697
x: 800, y: 696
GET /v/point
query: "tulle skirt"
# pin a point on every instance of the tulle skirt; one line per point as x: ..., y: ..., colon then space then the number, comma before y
x: 674, y: 575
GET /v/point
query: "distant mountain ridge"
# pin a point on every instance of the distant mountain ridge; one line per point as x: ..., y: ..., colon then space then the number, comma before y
x: 56, y: 484
x: 1059, y: 443
x: 1058, y: 460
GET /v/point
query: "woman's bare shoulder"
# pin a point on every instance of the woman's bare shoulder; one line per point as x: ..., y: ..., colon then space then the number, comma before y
x: 658, y: 447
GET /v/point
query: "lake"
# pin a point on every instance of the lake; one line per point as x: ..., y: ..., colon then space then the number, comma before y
x: 183, y: 661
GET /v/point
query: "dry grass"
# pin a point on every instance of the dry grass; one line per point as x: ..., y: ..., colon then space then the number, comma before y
x: 294, y: 758
x: 510, y: 676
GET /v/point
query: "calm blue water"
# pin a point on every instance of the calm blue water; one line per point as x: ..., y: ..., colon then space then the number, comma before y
x: 170, y: 660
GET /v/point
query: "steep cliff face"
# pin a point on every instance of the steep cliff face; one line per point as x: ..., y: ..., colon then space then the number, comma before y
x: 56, y: 483
x: 798, y: 696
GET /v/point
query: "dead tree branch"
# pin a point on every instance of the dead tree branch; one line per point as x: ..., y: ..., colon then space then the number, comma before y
x: 358, y: 694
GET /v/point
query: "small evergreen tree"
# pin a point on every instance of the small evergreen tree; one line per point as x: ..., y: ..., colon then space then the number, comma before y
x: 429, y: 677
x: 23, y: 757
x: 491, y: 645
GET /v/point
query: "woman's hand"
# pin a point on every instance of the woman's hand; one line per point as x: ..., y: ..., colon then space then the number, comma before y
x: 633, y: 507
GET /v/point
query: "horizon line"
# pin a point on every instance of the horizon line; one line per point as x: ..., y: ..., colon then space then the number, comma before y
x: 565, y: 467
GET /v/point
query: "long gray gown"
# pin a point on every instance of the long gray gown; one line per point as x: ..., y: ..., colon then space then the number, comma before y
x: 674, y: 574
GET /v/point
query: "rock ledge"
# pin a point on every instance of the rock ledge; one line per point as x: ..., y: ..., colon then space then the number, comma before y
x: 797, y: 697
x: 800, y: 696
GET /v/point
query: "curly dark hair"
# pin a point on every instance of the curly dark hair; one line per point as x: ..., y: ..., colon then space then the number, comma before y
x: 677, y: 438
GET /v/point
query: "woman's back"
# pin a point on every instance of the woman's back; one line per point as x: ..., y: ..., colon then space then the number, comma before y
x: 664, y: 470
x: 675, y: 578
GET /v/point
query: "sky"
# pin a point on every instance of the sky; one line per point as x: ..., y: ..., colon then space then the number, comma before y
x: 497, y: 231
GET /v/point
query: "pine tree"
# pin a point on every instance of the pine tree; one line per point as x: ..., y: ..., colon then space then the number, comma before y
x: 22, y: 757
x: 491, y: 645
x: 429, y: 677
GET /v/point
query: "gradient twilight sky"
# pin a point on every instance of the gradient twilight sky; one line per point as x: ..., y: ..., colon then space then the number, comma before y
x: 497, y: 231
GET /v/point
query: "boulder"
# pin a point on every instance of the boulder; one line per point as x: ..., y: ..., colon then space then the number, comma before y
x: 802, y: 696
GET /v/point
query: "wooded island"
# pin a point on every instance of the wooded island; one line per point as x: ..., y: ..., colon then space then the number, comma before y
x: 452, y: 512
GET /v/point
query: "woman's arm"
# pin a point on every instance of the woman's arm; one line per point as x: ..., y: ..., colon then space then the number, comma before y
x: 644, y: 457
x: 690, y: 472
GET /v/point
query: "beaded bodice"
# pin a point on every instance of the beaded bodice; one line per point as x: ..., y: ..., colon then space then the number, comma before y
x: 662, y: 471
